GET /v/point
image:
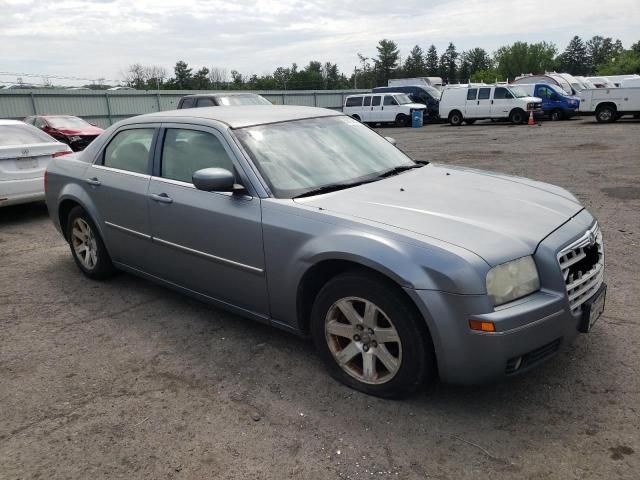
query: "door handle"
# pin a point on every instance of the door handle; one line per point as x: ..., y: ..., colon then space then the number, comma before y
x: 491, y: 102
x: 161, y: 197
x: 93, y: 181
x: 478, y: 102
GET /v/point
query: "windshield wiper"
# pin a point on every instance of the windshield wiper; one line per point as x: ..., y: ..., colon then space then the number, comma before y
x: 332, y: 187
x: 400, y: 169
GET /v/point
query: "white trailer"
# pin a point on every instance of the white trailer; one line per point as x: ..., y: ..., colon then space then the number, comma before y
x: 435, y: 82
x: 609, y: 104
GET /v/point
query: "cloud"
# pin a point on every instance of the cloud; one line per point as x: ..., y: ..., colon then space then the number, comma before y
x: 99, y: 38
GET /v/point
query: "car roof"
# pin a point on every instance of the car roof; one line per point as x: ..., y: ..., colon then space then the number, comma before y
x: 241, y: 115
x: 375, y: 94
x: 11, y: 122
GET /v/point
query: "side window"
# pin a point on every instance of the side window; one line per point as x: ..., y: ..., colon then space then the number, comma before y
x: 484, y: 94
x: 354, y: 102
x: 543, y: 92
x: 205, y: 102
x: 389, y: 100
x: 186, y: 151
x: 38, y: 122
x: 129, y: 150
x: 501, y: 93
x: 471, y: 93
x: 375, y: 101
x: 188, y: 102
x: 367, y: 101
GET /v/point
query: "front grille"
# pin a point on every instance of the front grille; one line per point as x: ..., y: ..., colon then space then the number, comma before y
x: 531, y: 358
x: 582, y: 265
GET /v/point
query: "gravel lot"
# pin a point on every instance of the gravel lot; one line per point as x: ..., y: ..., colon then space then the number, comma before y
x: 128, y: 379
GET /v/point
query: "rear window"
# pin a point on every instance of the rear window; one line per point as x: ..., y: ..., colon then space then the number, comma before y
x: 206, y: 102
x: 471, y: 93
x: 354, y: 102
x: 188, y: 103
x: 22, y: 135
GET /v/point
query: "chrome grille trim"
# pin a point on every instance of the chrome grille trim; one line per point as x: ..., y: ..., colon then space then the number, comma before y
x: 582, y: 286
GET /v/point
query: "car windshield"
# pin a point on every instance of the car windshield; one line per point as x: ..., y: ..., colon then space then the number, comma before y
x: 402, y: 98
x: 518, y: 92
x: 303, y: 155
x: 242, y: 100
x: 22, y: 135
x: 68, y: 122
x: 434, y: 92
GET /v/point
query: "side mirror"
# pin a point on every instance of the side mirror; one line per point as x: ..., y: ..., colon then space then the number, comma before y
x: 215, y: 180
x: 391, y: 140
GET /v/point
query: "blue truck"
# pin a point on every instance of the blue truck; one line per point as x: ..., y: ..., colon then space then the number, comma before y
x: 426, y: 95
x: 556, y: 104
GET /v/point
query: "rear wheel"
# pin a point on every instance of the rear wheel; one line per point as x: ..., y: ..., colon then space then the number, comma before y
x: 370, y: 337
x: 517, y: 116
x: 456, y: 118
x: 402, y: 120
x: 87, y: 247
x: 557, y: 114
x: 606, y: 114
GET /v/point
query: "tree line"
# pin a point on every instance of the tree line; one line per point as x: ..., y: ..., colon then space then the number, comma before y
x: 596, y: 56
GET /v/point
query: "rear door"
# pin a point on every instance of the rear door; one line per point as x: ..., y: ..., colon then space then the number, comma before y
x: 366, y: 108
x: 208, y: 242
x: 118, y: 182
x: 376, y: 113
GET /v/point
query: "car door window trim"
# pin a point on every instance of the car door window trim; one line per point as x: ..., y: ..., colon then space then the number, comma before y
x: 124, y: 172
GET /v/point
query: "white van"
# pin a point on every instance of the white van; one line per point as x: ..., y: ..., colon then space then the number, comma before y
x: 609, y: 104
x: 469, y: 103
x: 382, y: 108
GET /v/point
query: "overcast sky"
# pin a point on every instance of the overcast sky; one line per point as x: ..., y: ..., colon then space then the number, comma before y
x: 99, y: 38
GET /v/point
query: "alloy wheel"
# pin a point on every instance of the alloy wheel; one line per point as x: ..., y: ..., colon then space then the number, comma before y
x: 84, y: 243
x: 363, y: 340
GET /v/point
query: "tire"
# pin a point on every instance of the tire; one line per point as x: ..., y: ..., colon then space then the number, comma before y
x: 636, y: 116
x: 470, y: 121
x: 517, y: 116
x: 87, y: 247
x: 456, y: 118
x: 402, y: 121
x: 557, y: 114
x: 390, y: 366
x: 356, y: 117
x: 606, y: 114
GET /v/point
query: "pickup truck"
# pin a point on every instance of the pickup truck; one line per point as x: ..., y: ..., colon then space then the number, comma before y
x: 610, y: 104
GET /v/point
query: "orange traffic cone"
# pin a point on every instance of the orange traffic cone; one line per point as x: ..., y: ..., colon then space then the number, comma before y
x: 531, y: 122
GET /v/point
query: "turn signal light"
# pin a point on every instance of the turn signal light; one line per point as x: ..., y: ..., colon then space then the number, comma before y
x: 482, y: 326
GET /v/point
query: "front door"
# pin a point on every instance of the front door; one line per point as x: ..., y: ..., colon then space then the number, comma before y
x: 118, y: 183
x: 389, y: 109
x: 502, y: 103
x: 207, y: 242
x: 376, y: 114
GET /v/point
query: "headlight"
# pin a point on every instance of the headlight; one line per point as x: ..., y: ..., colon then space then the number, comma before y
x: 512, y: 280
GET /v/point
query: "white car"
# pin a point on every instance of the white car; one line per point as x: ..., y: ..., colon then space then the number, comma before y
x: 468, y: 103
x: 25, y: 152
x: 395, y: 108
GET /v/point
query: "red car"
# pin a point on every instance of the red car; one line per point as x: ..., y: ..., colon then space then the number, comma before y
x: 74, y: 131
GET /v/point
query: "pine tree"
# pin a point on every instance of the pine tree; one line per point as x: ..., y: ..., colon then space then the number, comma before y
x: 431, y: 61
x: 414, y: 64
x: 574, y: 59
x: 183, y: 78
x: 387, y: 61
x: 448, y: 64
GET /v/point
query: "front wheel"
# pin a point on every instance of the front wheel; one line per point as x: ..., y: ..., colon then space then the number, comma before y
x: 556, y: 115
x: 87, y: 247
x: 402, y: 120
x: 456, y: 118
x: 370, y: 337
x: 517, y: 117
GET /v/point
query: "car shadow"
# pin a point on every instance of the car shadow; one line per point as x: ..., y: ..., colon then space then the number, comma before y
x: 23, y: 213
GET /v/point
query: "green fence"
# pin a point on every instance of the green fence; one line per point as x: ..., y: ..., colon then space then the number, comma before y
x: 104, y: 108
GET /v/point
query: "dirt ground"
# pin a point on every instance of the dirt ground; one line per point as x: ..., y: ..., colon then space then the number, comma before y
x: 125, y: 379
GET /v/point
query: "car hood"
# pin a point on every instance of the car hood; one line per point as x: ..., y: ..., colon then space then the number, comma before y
x: 498, y: 217
x: 83, y: 131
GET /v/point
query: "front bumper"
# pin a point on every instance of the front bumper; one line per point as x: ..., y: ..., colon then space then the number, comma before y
x: 528, y: 332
